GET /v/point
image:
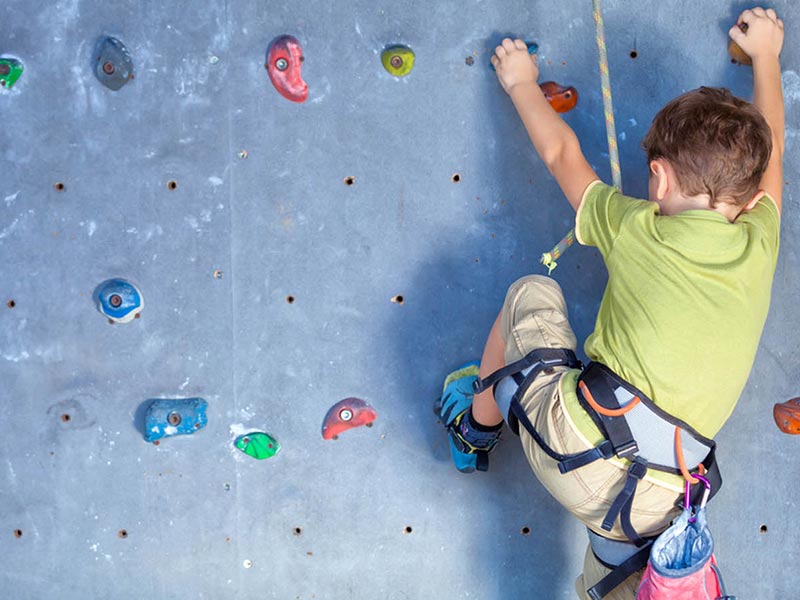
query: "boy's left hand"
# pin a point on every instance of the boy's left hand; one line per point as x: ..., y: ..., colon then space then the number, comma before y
x: 514, y: 65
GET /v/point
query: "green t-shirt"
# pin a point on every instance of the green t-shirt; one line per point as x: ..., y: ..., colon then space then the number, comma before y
x: 686, y: 299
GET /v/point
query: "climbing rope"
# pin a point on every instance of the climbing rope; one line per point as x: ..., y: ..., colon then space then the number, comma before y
x: 549, y: 258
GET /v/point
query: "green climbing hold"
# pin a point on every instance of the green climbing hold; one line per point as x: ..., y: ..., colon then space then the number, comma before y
x: 258, y: 444
x: 10, y: 71
x: 398, y: 60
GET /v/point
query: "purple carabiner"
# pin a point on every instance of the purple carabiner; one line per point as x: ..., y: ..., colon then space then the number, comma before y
x: 687, y: 505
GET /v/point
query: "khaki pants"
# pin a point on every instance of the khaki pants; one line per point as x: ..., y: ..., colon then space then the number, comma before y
x: 535, y: 316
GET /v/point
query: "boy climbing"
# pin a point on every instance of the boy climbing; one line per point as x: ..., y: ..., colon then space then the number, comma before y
x: 689, y: 278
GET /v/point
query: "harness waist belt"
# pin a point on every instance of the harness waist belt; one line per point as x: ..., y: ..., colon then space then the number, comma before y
x: 652, y: 428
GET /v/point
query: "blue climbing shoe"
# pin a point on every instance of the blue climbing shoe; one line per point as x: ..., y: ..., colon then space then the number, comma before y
x: 469, y: 446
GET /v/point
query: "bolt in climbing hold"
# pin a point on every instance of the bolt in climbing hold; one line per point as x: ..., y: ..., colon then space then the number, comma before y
x: 347, y: 414
x: 258, y: 444
x: 113, y: 64
x: 168, y: 417
x: 10, y: 70
x: 398, y: 60
x: 562, y: 99
x: 119, y: 300
x: 284, y: 59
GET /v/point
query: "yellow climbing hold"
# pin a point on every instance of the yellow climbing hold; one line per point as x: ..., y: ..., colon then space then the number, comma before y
x: 398, y: 60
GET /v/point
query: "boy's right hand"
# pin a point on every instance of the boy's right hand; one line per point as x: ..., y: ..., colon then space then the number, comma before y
x: 764, y: 35
x: 514, y: 65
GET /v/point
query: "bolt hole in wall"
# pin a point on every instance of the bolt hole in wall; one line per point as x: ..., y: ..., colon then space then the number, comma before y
x: 634, y: 54
x: 470, y: 61
x: 398, y: 299
x: 298, y: 530
x: 525, y: 530
x: 122, y: 533
x: 290, y: 299
x: 455, y: 177
x: 407, y: 529
x: 11, y: 304
x: 762, y: 529
x: 18, y: 533
x: 172, y: 184
x: 59, y: 187
x: 66, y: 418
x: 349, y: 180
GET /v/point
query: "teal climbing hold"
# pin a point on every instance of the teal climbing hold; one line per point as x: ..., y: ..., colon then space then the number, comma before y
x: 179, y: 416
x: 258, y: 444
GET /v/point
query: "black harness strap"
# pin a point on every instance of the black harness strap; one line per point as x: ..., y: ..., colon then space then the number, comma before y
x: 620, y: 573
x: 545, y: 357
x: 566, y: 462
x: 614, y: 429
x: 621, y: 507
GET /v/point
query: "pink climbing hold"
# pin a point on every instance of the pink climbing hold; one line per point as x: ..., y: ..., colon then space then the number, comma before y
x: 284, y: 60
x: 347, y: 414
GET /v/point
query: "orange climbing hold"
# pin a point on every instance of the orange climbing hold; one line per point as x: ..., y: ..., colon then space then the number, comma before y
x: 787, y: 416
x: 562, y: 99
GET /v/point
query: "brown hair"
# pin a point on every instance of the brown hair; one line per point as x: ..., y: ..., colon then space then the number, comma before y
x: 717, y: 144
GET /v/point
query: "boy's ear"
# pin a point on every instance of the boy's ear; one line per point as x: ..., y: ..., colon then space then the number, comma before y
x: 661, y: 173
x: 751, y: 204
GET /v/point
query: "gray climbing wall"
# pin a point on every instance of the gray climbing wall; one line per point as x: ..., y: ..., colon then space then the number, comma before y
x: 269, y: 283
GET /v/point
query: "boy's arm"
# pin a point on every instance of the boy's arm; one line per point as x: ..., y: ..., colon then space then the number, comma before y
x: 553, y: 139
x: 763, y: 41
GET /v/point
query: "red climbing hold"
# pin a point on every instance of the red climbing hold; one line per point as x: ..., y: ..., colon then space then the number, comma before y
x: 787, y: 416
x: 284, y: 60
x: 562, y: 99
x: 346, y: 414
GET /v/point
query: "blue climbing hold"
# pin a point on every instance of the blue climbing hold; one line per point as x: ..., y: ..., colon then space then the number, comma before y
x: 119, y: 300
x: 181, y: 416
x: 113, y: 66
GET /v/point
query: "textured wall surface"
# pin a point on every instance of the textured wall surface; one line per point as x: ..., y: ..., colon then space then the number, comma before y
x: 380, y: 512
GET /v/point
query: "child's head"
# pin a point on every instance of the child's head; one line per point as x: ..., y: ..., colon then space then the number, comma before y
x: 717, y: 144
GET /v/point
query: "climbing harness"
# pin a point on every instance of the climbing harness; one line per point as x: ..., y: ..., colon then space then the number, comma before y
x: 634, y: 428
x: 549, y: 259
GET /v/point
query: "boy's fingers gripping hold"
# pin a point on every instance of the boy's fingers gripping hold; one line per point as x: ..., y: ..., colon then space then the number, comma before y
x: 758, y: 32
x: 509, y: 46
